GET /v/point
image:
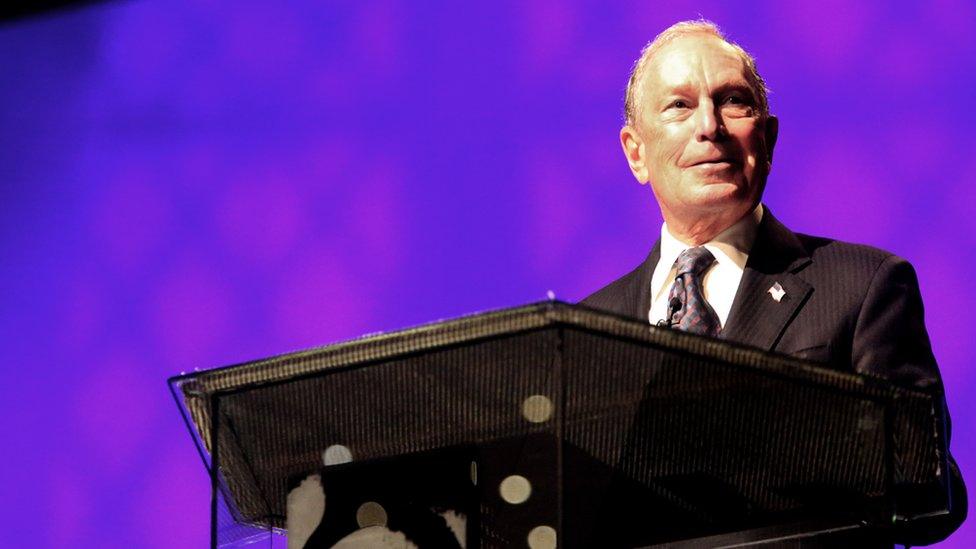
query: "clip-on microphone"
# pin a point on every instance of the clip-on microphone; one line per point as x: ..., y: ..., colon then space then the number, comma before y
x: 673, y: 307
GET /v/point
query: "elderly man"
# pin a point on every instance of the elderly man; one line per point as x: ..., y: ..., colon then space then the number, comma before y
x: 698, y: 130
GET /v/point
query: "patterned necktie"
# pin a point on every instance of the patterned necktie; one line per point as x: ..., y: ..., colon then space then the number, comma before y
x: 695, y: 315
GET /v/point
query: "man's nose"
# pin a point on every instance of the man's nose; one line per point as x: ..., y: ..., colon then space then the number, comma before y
x: 708, y: 122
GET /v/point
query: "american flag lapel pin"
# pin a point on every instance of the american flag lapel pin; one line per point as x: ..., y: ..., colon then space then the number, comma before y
x: 777, y: 291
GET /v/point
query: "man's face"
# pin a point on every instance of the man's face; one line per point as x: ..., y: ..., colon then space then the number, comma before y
x: 700, y: 139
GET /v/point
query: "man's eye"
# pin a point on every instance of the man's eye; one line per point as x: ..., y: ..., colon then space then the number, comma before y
x: 679, y: 104
x: 738, y: 100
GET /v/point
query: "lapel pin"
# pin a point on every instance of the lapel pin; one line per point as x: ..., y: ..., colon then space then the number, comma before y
x: 777, y: 291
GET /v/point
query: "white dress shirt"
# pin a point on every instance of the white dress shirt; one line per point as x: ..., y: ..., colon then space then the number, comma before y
x: 731, y: 250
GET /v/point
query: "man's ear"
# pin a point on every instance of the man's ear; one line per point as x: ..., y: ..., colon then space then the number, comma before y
x: 771, y: 133
x: 633, y: 145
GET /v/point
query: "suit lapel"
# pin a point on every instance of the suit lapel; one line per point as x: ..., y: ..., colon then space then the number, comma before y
x: 629, y: 295
x: 757, y: 318
x: 642, y: 303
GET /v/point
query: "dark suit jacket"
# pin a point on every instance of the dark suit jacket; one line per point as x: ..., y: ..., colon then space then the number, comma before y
x: 853, y: 307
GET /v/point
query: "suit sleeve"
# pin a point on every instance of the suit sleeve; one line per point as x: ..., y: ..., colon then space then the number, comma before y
x: 890, y: 340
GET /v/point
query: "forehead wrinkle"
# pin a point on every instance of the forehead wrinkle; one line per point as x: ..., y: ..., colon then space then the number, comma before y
x: 676, y: 71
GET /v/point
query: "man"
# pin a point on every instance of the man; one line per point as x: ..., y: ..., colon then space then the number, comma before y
x: 698, y: 130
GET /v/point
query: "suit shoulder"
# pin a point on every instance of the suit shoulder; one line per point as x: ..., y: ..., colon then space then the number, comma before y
x: 613, y: 297
x: 847, y: 256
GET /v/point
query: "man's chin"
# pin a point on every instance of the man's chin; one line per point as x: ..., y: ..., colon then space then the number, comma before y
x: 720, y: 194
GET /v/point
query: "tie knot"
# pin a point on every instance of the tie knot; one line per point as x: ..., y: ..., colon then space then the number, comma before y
x: 694, y: 260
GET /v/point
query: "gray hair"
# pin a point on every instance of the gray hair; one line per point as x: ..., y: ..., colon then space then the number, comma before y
x: 686, y: 28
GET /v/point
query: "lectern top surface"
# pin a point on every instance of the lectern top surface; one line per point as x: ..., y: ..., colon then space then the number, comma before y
x: 470, y: 328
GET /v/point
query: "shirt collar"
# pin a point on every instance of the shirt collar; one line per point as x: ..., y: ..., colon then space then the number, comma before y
x: 730, y: 247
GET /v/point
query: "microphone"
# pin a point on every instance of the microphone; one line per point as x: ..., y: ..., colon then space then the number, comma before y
x: 673, y: 307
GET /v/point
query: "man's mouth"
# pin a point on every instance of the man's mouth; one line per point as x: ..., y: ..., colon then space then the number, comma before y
x: 722, y: 161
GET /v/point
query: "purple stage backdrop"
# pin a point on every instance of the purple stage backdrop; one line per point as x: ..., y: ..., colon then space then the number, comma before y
x: 192, y: 184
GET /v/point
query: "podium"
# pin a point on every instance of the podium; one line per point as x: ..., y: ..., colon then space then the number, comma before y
x: 554, y: 424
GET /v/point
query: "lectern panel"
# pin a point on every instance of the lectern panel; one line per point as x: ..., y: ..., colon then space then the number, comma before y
x: 463, y: 394
x: 713, y: 447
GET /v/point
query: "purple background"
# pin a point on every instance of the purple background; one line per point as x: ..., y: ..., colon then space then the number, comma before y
x: 191, y: 184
